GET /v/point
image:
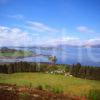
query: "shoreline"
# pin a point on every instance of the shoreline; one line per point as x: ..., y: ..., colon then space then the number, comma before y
x: 45, y: 63
x: 34, y: 55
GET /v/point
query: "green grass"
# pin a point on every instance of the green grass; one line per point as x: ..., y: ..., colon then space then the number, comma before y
x: 94, y: 94
x: 70, y: 85
x: 16, y: 54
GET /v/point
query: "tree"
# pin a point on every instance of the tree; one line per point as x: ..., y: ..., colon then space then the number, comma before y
x: 4, y: 49
x: 75, y: 69
x: 53, y: 59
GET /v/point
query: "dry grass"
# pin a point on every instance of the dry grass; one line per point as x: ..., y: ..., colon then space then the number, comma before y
x: 69, y: 85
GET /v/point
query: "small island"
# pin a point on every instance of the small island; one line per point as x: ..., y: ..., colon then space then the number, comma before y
x: 13, y: 53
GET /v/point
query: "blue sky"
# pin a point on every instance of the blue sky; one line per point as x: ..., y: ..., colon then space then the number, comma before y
x: 31, y: 22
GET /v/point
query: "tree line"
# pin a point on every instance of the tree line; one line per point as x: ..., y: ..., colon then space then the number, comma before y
x: 22, y: 67
x: 86, y: 72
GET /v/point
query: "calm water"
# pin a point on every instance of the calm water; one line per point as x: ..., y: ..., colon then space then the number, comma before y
x: 66, y: 55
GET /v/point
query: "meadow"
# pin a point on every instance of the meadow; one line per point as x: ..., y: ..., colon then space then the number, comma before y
x: 16, y: 54
x: 69, y: 85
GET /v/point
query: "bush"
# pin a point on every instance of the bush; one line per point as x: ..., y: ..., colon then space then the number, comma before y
x: 48, y: 87
x: 57, y: 90
x: 39, y: 87
x: 94, y: 94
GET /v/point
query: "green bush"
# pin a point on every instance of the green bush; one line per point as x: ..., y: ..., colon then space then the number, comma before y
x: 57, y: 90
x: 48, y: 88
x: 53, y: 89
x: 39, y: 87
x: 94, y: 94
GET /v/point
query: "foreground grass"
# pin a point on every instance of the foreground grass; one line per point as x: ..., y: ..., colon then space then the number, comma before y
x: 70, y: 85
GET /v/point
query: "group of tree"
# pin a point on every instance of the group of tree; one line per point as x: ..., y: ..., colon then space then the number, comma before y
x: 52, y: 59
x: 31, y: 67
x: 87, y: 72
x: 22, y: 67
x: 7, y: 50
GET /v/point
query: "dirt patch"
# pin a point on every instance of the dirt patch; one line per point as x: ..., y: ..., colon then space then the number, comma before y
x: 12, y: 92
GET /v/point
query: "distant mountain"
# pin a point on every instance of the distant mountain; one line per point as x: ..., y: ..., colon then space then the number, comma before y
x: 92, y: 45
x: 47, y: 47
x: 67, y: 45
x: 56, y: 46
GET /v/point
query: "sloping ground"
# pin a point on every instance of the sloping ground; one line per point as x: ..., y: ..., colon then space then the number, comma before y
x: 12, y: 92
x: 70, y: 85
x: 15, y: 54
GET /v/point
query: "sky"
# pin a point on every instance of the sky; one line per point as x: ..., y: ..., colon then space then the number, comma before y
x: 49, y: 22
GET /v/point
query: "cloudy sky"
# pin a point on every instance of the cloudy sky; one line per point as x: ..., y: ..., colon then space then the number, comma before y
x: 47, y: 22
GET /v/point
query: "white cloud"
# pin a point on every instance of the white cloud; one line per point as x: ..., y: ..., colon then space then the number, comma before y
x: 17, y: 37
x: 63, y: 40
x: 94, y: 41
x: 40, y: 27
x: 14, y: 37
x: 85, y: 29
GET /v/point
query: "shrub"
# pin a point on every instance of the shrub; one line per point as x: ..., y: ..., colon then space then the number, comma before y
x: 30, y: 85
x: 48, y: 88
x: 54, y: 89
x: 57, y: 90
x: 39, y: 87
x: 94, y: 94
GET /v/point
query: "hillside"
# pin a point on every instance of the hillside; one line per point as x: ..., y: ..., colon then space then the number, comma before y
x: 13, y: 53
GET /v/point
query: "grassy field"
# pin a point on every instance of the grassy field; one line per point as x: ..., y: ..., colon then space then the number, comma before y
x: 16, y: 54
x: 70, y: 85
